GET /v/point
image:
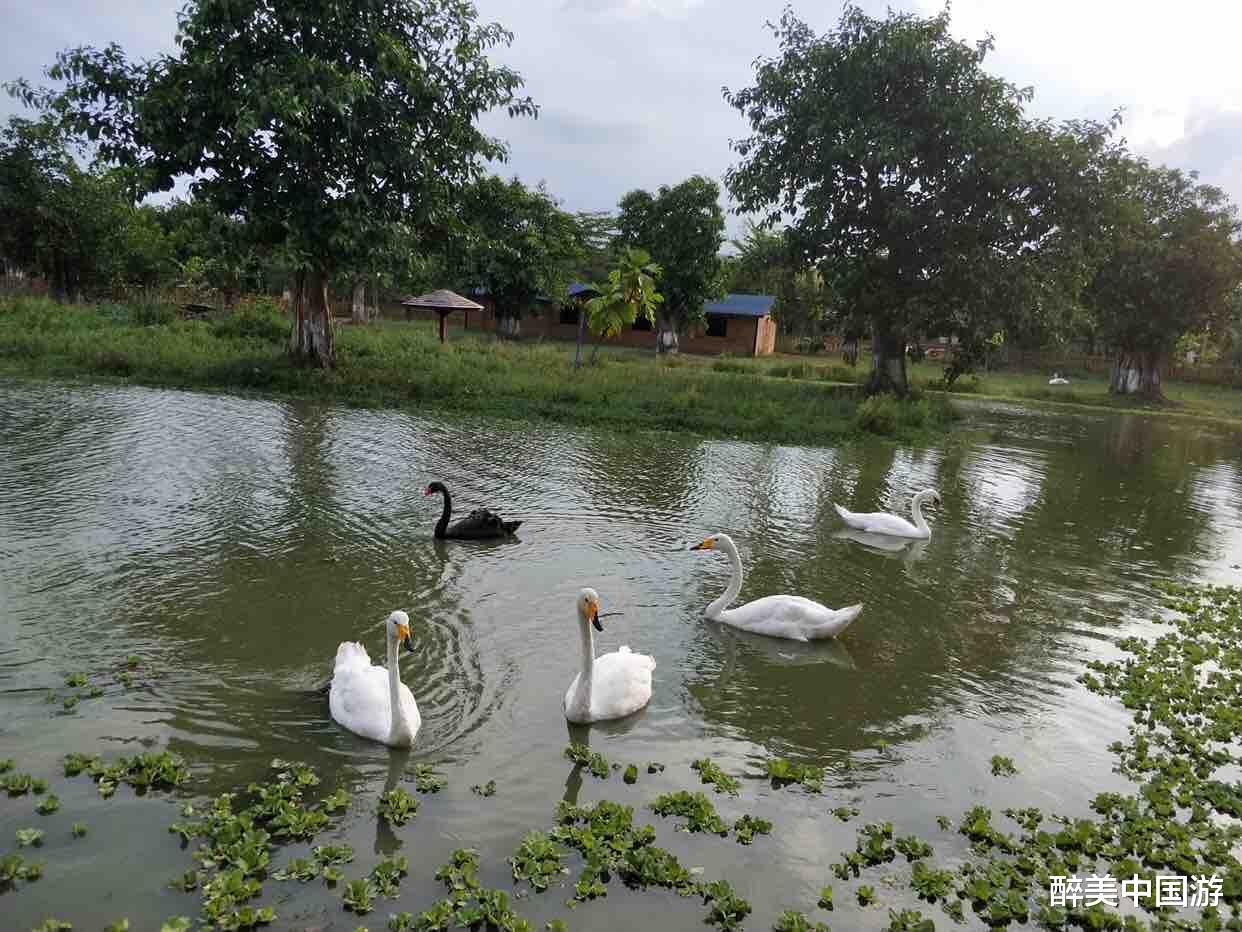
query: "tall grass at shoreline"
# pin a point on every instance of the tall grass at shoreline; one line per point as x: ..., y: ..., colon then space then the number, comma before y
x: 398, y: 363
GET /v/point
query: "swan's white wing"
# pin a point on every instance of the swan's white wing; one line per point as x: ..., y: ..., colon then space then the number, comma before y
x: 879, y: 522
x: 620, y: 684
x: 791, y: 616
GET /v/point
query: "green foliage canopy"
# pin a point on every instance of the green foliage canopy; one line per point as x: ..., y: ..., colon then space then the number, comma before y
x: 682, y: 227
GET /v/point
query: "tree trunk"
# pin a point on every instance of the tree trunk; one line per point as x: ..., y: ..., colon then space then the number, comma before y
x: 312, y: 341
x: 666, y: 335
x: 581, y: 336
x: 1137, y: 373
x: 359, y: 309
x: 888, y: 362
x: 509, y: 325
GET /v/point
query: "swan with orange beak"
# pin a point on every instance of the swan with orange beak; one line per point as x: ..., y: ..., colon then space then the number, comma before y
x: 370, y: 700
x: 610, y: 686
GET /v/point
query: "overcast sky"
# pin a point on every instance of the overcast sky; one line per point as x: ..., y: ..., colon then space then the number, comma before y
x: 629, y: 90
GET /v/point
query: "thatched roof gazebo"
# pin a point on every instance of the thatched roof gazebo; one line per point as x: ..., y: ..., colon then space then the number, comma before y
x: 443, y: 302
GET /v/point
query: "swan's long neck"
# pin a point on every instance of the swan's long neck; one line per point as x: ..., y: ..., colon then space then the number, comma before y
x: 399, y: 731
x: 442, y: 524
x: 588, y: 658
x: 735, y: 581
x: 916, y: 511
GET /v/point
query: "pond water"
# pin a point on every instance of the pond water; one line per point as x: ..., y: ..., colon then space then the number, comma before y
x: 231, y: 544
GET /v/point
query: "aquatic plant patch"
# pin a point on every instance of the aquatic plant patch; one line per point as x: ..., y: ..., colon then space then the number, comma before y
x: 583, y: 756
x: 709, y: 772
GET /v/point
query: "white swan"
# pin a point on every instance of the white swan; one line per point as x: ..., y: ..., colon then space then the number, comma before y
x: 363, y: 697
x: 880, y: 522
x: 778, y: 616
x: 612, y: 686
x: 1057, y: 379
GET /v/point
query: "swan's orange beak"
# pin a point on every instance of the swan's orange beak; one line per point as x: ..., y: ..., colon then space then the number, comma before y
x: 706, y: 545
x: 403, y: 633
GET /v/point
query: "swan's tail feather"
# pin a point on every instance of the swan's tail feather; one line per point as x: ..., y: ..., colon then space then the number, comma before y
x: 351, y: 654
x: 846, y: 516
x: 510, y: 526
x: 651, y: 664
x: 844, y: 617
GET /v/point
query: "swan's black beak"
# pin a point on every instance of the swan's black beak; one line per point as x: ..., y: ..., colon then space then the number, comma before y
x: 595, y: 618
x: 409, y: 645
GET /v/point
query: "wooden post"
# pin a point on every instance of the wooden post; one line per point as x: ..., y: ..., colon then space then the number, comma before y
x: 443, y: 324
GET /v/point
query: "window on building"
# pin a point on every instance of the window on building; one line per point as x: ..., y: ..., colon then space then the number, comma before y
x: 717, y: 325
x: 642, y: 323
x: 569, y: 314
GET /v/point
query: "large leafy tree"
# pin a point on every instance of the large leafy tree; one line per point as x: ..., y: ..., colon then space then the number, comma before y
x: 1167, y: 262
x: 77, y: 228
x: 904, y: 171
x: 515, y: 243
x: 682, y: 227
x: 322, y: 124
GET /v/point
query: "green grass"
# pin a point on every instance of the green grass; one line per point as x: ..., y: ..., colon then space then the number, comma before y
x: 397, y: 363
x: 1085, y: 388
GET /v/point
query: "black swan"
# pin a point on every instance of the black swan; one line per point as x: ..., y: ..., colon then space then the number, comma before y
x: 480, y: 524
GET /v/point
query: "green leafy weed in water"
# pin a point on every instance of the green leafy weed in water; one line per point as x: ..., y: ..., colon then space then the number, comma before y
x: 486, y: 789
x: 710, y: 772
x: 48, y: 804
x: 697, y: 809
x: 398, y: 806
x: 631, y: 774
x: 386, y: 875
x: 793, y: 921
x: 537, y: 860
x: 29, y: 837
x: 1003, y: 766
x: 583, y: 756
x: 783, y: 772
x: 427, y: 780
x: 747, y: 827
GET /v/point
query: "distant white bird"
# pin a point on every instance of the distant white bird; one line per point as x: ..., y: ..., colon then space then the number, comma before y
x: 880, y: 522
x: 1057, y: 379
x: 778, y: 616
x: 369, y: 700
x: 610, y: 686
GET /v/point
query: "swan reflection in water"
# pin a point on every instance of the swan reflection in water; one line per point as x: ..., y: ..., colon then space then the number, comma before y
x: 386, y: 840
x: 908, y: 550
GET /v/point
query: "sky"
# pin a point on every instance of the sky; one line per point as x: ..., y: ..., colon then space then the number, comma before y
x: 630, y: 90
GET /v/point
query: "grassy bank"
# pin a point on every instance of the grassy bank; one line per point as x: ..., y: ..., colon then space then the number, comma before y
x: 397, y: 363
x: 1085, y: 389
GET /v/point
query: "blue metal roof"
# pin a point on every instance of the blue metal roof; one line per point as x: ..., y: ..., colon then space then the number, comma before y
x: 577, y: 288
x: 742, y: 305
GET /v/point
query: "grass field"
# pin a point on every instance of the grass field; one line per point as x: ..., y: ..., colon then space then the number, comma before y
x: 397, y: 363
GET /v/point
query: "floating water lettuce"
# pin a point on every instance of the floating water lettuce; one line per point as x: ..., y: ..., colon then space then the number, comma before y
x: 427, y: 780
x: 359, y: 896
x: 78, y: 829
x: 386, y: 875
x: 825, y: 898
x: 697, y: 809
x: 487, y: 789
x: 793, y: 921
x: 583, y: 756
x: 48, y: 804
x: 29, y: 837
x: 866, y: 895
x: 727, y: 910
x: 631, y: 774
x: 75, y: 679
x: 782, y: 773
x: 747, y: 827
x: 710, y: 772
x: 398, y: 806
x: 1002, y: 766
x: 537, y: 860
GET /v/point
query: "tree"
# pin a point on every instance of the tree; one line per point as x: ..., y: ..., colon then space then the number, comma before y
x: 906, y: 173
x: 79, y: 229
x: 629, y: 291
x: 682, y: 227
x: 517, y: 245
x: 1168, y: 263
x: 320, y: 124
x: 764, y: 265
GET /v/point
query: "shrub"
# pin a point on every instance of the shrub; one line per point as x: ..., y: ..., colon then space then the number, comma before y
x: 258, y: 318
x: 151, y: 312
x: 878, y: 415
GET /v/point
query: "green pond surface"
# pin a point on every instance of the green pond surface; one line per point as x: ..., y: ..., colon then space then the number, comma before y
x: 230, y: 544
